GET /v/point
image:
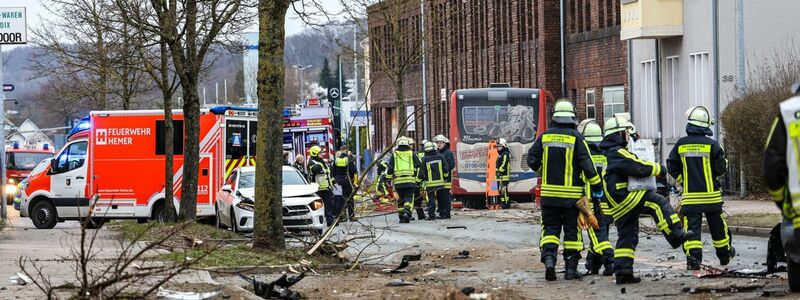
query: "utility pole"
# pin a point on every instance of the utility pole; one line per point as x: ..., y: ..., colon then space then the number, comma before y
x: 4, y: 206
x: 338, y: 108
x: 425, y: 108
x: 204, y: 96
x: 216, y: 91
x: 300, y: 86
x: 225, y: 84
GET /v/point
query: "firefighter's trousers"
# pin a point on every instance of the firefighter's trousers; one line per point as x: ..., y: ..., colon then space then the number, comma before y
x: 436, y: 197
x: 600, y: 251
x: 693, y: 219
x: 406, y: 202
x: 502, y: 188
x: 554, y: 220
x: 419, y: 203
x: 667, y: 222
x: 327, y: 200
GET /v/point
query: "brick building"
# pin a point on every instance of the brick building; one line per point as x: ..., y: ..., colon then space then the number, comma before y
x: 473, y: 43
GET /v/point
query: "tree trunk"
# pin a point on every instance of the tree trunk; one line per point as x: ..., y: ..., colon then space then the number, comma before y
x: 191, y: 116
x: 268, y: 227
x: 169, y: 153
x: 399, y: 93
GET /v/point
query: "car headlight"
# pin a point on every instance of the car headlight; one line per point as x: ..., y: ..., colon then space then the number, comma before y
x: 11, y: 181
x: 11, y: 189
x: 316, y: 204
x: 246, y: 204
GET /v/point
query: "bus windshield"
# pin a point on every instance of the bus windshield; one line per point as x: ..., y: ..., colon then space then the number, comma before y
x: 486, y: 115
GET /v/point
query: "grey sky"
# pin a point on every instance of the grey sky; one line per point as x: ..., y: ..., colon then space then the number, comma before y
x: 37, y: 12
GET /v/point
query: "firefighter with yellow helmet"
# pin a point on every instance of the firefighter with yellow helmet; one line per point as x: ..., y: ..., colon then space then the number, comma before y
x: 696, y: 162
x: 403, y: 171
x: 562, y: 159
x: 320, y: 173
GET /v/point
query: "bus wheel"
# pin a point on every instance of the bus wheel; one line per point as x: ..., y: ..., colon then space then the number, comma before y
x: 44, y: 215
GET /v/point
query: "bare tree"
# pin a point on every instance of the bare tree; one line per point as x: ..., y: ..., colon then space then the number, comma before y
x: 189, y: 29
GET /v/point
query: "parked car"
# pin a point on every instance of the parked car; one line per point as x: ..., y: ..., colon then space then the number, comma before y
x: 19, y: 189
x: 303, y: 210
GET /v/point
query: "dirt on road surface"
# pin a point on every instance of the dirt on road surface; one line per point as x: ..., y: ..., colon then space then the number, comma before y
x: 504, y: 263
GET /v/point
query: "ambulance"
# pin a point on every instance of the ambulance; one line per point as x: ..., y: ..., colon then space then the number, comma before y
x: 118, y: 156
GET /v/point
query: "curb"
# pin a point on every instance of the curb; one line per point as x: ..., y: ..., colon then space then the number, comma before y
x: 746, y: 231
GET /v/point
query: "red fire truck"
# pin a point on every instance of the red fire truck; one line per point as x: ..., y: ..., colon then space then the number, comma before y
x: 119, y: 157
x: 19, y: 164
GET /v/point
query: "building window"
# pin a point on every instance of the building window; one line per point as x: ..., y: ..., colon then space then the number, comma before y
x: 647, y: 125
x: 590, y: 112
x: 613, y: 101
x: 700, y: 84
x: 672, y: 90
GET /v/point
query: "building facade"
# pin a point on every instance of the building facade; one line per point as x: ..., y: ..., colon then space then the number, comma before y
x: 677, y: 60
x: 470, y: 44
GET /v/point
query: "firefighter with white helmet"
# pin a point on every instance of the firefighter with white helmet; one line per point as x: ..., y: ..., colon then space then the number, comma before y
x: 403, y: 170
x: 444, y: 148
x: 561, y: 157
x: 320, y: 173
x: 697, y: 162
x: 503, y: 171
x: 601, y: 253
x: 625, y: 206
x: 434, y: 167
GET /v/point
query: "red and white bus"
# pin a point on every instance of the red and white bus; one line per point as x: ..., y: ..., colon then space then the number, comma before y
x: 480, y: 115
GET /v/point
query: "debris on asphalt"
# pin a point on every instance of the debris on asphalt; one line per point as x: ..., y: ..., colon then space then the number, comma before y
x: 707, y: 271
x: 725, y: 288
x: 481, y: 296
x: 276, y: 289
x: 404, y: 263
x: 623, y: 290
x: 463, y: 271
x: 468, y: 290
x: 176, y: 295
x: 462, y: 255
x: 501, y: 221
x: 399, y: 282
x: 456, y: 227
x: 20, y: 279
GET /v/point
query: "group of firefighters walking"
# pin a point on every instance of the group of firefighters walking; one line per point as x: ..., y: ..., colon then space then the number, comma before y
x: 419, y: 176
x: 596, y: 163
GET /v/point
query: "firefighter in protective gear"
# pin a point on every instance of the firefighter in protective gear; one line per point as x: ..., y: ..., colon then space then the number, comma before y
x: 320, y: 173
x: 402, y: 170
x: 626, y: 206
x: 561, y: 156
x: 433, y: 170
x: 782, y: 172
x: 696, y: 162
x: 382, y: 181
x: 600, y: 253
x: 444, y: 148
x: 344, y: 172
x: 503, y: 172
x: 419, y: 192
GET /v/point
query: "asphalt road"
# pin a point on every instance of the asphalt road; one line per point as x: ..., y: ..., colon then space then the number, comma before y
x: 504, y: 254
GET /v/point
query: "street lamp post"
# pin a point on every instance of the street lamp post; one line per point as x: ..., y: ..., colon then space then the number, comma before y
x: 300, y: 86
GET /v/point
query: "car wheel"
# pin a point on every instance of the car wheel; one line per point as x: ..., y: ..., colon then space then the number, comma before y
x: 793, y: 272
x: 234, y: 227
x: 44, y: 215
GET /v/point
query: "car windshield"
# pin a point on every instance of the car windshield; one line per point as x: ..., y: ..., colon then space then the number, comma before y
x: 25, y: 160
x: 290, y: 177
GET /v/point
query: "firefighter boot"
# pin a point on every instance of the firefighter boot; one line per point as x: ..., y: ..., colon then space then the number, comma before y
x: 725, y: 260
x: 571, y: 264
x: 550, y: 268
x: 608, y: 264
x: 420, y: 214
x: 678, y: 237
x: 692, y: 263
x: 593, y: 263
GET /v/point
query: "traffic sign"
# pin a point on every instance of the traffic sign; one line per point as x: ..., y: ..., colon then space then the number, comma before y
x: 13, y: 25
x: 8, y: 88
x: 334, y: 93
